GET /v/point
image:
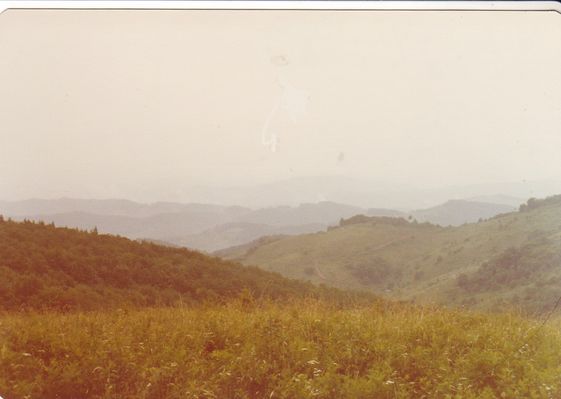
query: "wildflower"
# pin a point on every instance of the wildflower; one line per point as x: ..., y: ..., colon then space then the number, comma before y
x: 389, y: 382
x: 312, y: 362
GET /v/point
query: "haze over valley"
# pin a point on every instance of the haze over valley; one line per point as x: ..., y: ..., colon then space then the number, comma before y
x: 209, y: 227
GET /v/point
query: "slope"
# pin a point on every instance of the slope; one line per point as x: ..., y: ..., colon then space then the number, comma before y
x: 517, y: 254
x: 47, y: 267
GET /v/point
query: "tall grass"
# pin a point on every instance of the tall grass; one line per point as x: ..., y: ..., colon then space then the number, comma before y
x: 306, y: 349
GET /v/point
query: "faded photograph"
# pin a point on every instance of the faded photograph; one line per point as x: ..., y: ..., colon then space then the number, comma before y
x: 280, y: 204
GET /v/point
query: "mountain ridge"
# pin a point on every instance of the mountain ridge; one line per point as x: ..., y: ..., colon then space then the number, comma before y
x: 208, y: 227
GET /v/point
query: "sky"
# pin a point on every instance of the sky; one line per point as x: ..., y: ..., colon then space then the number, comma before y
x: 146, y: 104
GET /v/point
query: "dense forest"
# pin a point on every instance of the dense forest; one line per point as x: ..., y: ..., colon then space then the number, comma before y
x: 43, y: 266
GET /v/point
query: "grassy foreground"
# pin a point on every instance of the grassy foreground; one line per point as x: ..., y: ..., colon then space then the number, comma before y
x: 301, y: 350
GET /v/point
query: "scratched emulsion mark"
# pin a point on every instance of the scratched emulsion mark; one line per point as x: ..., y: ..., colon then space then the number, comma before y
x: 291, y: 101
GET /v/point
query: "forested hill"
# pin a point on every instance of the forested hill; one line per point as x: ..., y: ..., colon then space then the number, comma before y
x: 42, y: 266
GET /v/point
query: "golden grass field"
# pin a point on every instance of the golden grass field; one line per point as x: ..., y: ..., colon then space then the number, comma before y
x: 304, y: 349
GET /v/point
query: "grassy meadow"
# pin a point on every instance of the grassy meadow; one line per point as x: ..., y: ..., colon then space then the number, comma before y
x: 302, y: 349
x: 495, y: 264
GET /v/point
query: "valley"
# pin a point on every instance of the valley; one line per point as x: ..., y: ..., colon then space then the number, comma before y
x: 208, y: 227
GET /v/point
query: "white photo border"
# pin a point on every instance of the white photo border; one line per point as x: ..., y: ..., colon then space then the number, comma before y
x: 334, y: 5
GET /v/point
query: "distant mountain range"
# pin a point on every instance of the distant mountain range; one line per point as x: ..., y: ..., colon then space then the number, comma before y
x: 514, y: 202
x: 457, y: 212
x: 367, y: 193
x: 210, y: 227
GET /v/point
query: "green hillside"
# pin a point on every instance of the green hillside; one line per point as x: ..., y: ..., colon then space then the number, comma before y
x: 43, y: 266
x: 511, y: 260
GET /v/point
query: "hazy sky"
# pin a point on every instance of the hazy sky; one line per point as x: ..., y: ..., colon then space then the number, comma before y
x: 117, y: 103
